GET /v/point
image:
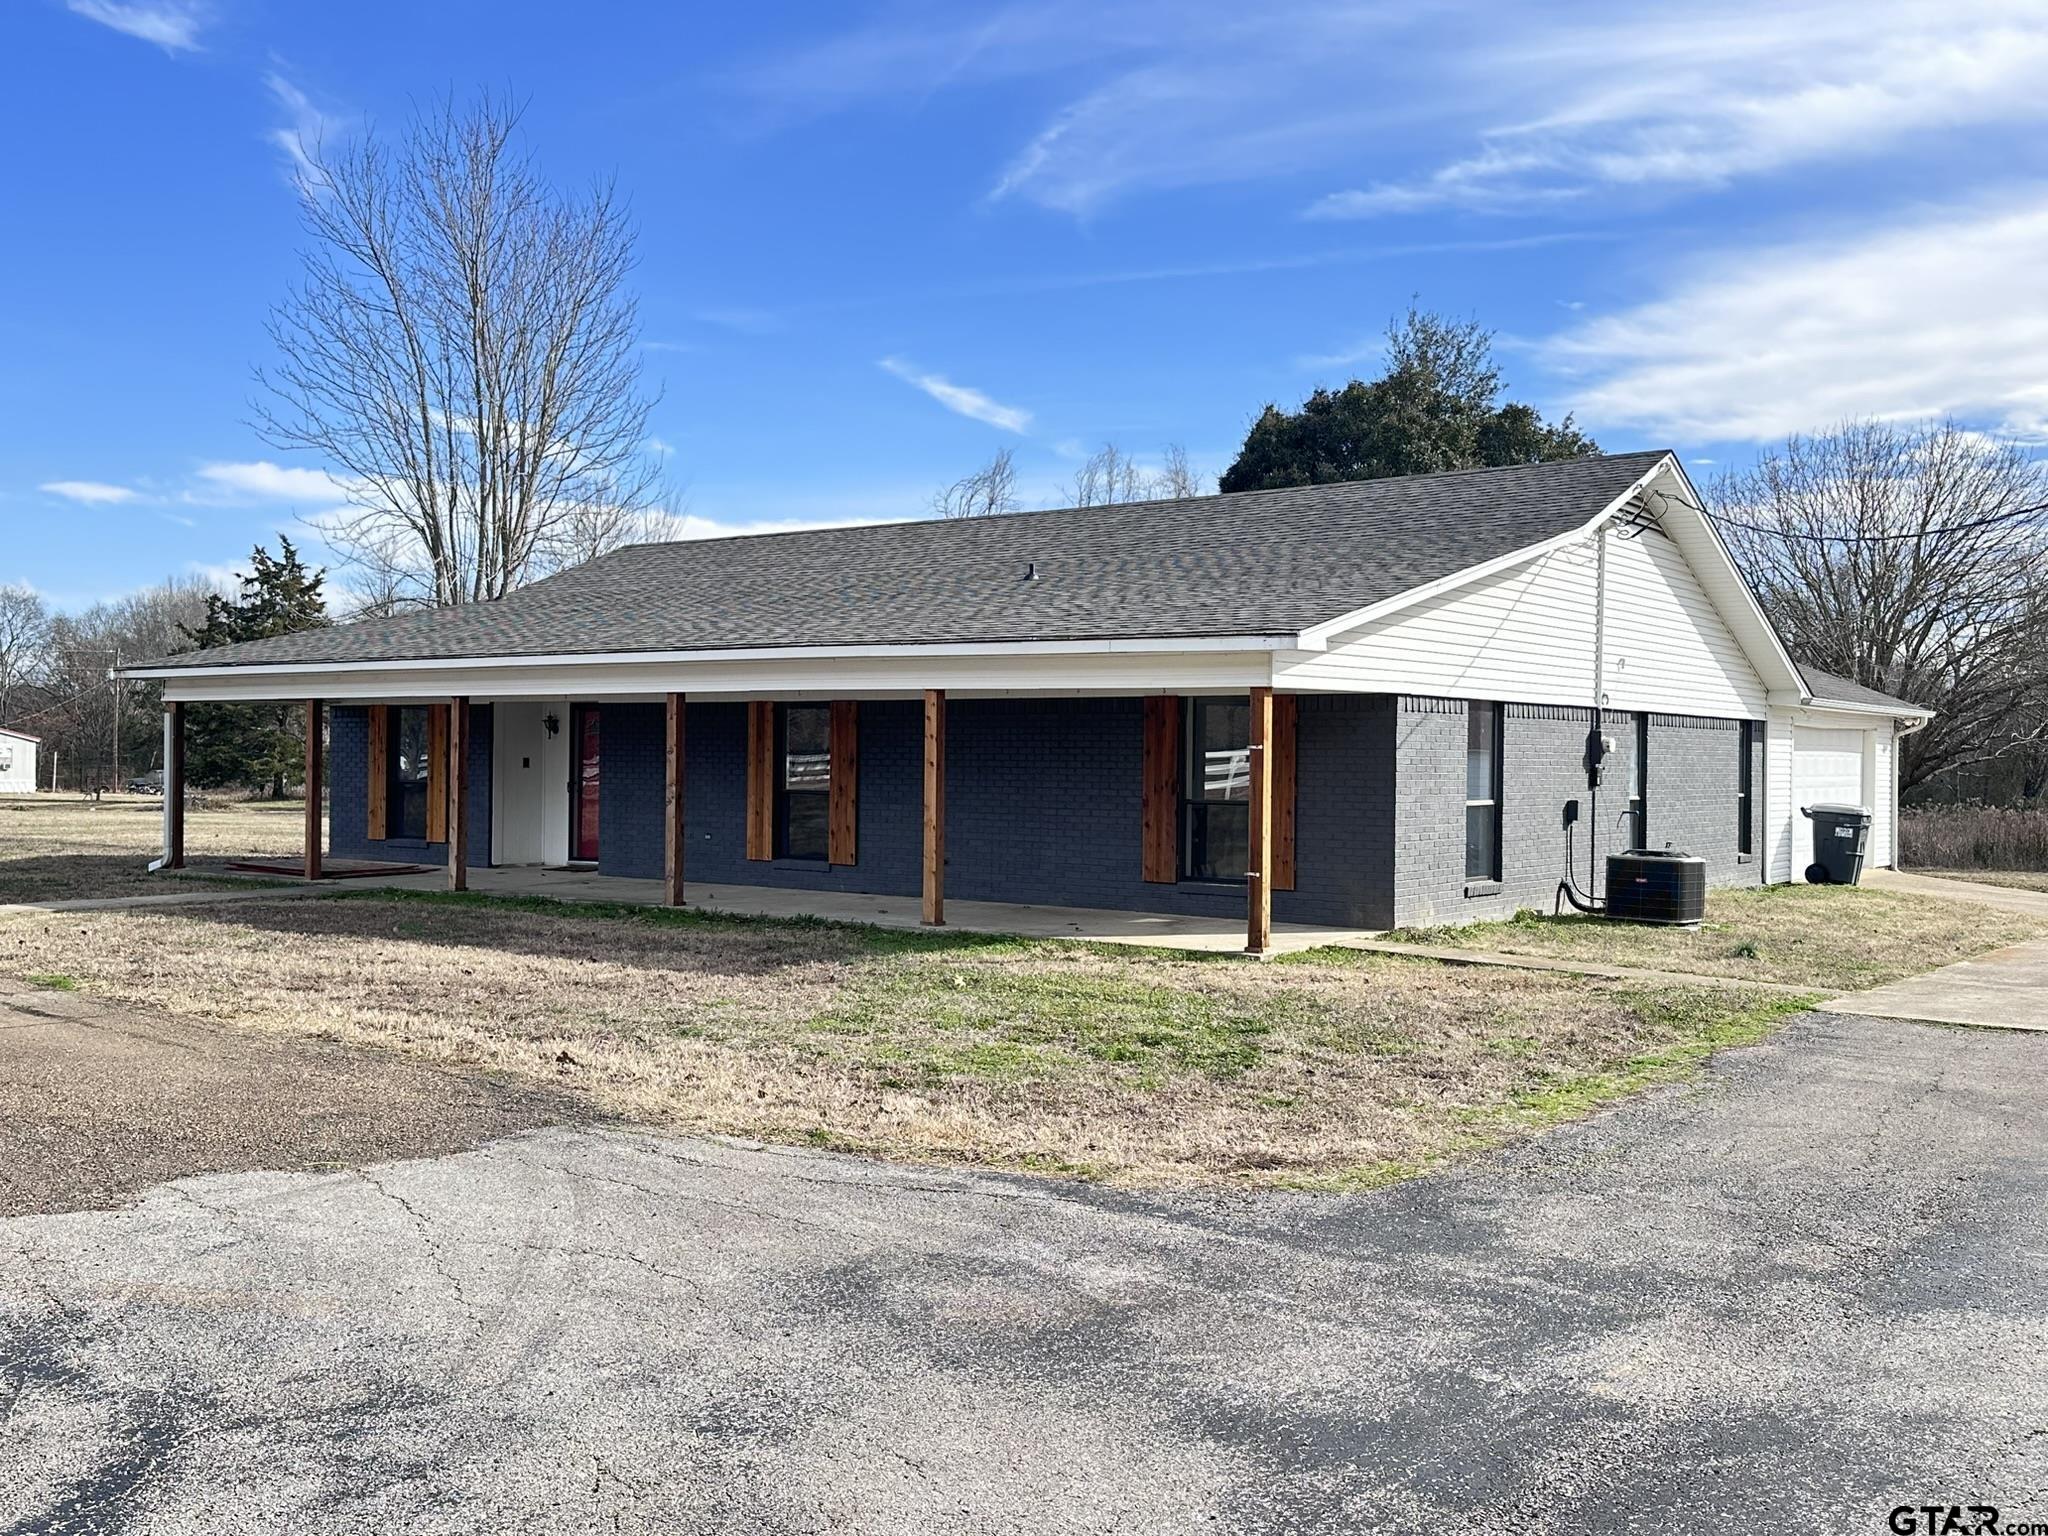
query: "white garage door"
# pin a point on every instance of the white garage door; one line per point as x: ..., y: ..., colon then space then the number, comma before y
x: 1827, y: 769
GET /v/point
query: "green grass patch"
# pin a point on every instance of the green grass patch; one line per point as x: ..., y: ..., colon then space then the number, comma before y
x: 55, y: 981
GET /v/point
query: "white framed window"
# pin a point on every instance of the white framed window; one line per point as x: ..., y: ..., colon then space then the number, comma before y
x: 1483, y: 743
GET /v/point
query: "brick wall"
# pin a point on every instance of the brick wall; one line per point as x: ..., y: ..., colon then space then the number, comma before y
x: 890, y: 816
x: 1693, y: 780
x: 1691, y: 803
x: 1042, y: 799
x: 348, y: 785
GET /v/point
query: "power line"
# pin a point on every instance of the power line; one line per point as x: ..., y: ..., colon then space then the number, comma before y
x: 1882, y: 538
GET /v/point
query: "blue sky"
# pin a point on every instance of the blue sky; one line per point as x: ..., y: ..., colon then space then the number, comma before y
x: 878, y: 242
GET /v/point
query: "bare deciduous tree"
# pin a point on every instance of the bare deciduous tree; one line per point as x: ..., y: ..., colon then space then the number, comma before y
x: 1176, y: 480
x: 1110, y: 475
x: 990, y: 490
x: 461, y: 350
x: 1912, y: 560
x: 24, y: 643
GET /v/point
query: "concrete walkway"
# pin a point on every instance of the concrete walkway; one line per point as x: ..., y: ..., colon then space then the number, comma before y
x: 2010, y: 898
x: 2006, y: 989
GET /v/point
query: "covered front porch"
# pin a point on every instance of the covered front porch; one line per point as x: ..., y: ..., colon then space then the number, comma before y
x: 1054, y: 801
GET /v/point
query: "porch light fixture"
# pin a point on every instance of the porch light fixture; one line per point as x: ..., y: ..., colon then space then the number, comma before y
x: 550, y: 724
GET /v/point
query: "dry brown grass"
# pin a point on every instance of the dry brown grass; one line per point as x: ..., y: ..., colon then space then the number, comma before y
x: 1841, y: 937
x: 1334, y: 1070
x: 1982, y: 837
x: 58, y: 847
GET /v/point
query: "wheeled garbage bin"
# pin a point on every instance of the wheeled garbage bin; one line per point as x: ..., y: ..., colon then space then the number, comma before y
x: 1841, y: 839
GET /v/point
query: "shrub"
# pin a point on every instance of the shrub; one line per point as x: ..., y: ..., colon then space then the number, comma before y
x: 1973, y: 837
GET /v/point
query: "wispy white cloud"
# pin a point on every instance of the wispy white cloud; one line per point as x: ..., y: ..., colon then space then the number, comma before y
x: 1940, y: 314
x: 959, y: 398
x: 1563, y: 106
x: 262, y: 480
x: 1167, y: 92
x: 1413, y: 108
x: 742, y: 319
x: 171, y: 24
x: 689, y: 526
x: 305, y: 129
x: 92, y: 493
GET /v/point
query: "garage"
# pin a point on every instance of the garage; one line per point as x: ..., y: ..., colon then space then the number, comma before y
x: 1827, y: 769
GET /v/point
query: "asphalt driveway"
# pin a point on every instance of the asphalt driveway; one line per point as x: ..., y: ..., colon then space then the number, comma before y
x: 1811, y: 1289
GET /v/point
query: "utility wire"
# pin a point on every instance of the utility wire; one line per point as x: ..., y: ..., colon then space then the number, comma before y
x: 1882, y: 538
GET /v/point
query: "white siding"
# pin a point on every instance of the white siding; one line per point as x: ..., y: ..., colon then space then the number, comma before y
x: 1779, y: 811
x: 17, y: 765
x: 1524, y: 634
x: 1668, y: 648
x: 1527, y: 635
x: 1884, y: 799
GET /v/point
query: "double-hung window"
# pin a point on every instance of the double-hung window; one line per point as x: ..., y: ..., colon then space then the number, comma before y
x: 1483, y: 741
x: 803, y: 790
x: 1745, y: 788
x: 1216, y: 809
x: 409, y: 769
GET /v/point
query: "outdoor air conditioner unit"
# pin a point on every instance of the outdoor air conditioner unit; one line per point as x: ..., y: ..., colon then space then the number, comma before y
x: 1648, y: 885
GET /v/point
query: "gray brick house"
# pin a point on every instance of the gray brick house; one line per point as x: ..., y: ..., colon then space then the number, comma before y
x: 1361, y: 705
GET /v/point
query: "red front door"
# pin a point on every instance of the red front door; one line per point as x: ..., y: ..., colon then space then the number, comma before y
x: 583, y: 788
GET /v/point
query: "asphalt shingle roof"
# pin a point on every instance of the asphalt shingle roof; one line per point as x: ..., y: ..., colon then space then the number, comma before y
x: 1254, y: 563
x: 1826, y: 688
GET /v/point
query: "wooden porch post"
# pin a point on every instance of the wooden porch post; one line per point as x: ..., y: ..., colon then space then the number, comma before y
x: 458, y: 794
x: 935, y: 806
x: 313, y: 777
x: 1259, y: 860
x: 672, y: 808
x: 174, y: 786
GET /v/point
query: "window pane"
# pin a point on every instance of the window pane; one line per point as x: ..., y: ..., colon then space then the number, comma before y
x: 804, y: 834
x: 409, y: 750
x: 1479, y: 764
x: 806, y: 747
x: 1481, y: 845
x: 1219, y: 840
x: 407, y: 802
x: 1223, y: 759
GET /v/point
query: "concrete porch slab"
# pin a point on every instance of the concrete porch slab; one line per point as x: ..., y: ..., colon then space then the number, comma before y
x: 1161, y: 930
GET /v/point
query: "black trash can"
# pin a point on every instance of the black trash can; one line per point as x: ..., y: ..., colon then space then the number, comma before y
x: 1841, y: 838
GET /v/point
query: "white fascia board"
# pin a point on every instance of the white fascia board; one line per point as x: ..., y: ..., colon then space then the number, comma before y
x: 1751, y: 616
x: 1050, y: 648
x: 1865, y: 712
x: 776, y: 676
x: 1318, y: 637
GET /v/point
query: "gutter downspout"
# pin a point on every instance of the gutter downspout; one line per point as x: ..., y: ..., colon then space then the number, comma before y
x: 1599, y: 715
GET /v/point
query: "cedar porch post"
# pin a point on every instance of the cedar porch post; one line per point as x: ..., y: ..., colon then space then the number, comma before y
x: 174, y: 786
x: 935, y: 806
x: 1259, y: 860
x: 458, y: 794
x: 313, y: 789
x: 672, y: 808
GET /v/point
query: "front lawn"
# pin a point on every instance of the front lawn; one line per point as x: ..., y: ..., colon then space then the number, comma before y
x: 1841, y: 937
x: 62, y: 847
x: 1335, y: 1070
